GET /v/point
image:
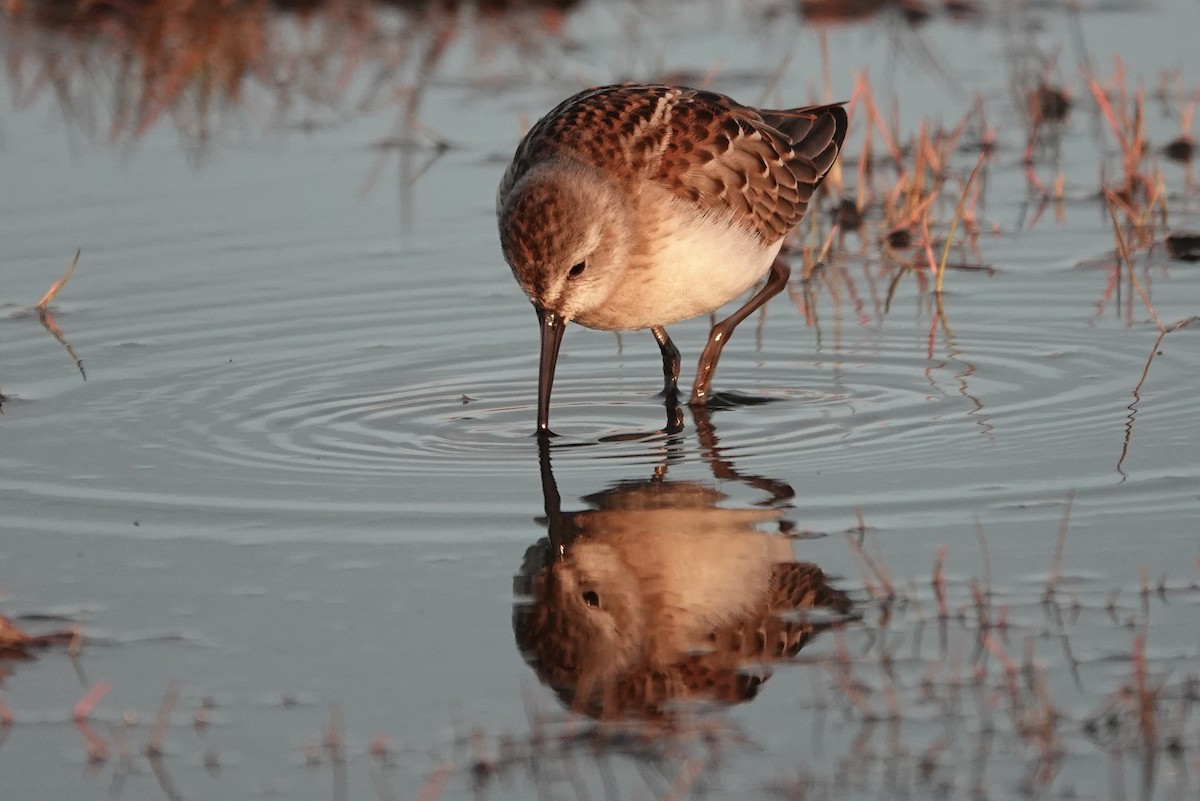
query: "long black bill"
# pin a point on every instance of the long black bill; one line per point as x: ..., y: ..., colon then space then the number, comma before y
x: 552, y: 327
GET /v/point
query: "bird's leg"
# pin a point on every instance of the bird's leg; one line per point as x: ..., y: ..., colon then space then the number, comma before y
x: 674, y: 414
x: 721, y: 332
x: 670, y: 392
x: 670, y: 357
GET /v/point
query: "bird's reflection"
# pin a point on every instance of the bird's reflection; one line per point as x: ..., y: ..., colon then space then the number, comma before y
x: 656, y: 600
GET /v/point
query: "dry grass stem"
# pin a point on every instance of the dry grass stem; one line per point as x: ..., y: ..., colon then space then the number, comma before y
x: 958, y: 214
x: 1123, y: 255
x: 59, y: 284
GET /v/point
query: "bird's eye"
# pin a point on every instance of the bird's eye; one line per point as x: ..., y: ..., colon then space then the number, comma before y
x: 591, y: 598
x: 577, y: 270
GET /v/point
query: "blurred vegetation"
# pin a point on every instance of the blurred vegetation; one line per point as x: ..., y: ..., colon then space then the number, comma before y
x: 119, y: 68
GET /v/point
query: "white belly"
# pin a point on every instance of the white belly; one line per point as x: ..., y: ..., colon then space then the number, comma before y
x: 692, y: 266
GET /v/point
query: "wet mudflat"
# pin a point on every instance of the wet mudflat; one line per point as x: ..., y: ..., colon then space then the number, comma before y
x: 292, y: 494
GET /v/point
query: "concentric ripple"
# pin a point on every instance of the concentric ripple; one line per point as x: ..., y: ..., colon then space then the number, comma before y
x: 292, y: 402
x: 369, y: 401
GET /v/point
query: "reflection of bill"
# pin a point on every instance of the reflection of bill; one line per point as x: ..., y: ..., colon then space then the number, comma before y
x: 656, y: 601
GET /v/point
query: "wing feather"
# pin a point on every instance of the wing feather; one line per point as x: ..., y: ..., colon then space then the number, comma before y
x: 757, y: 169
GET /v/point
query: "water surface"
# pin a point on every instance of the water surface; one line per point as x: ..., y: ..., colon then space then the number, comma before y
x: 299, y: 476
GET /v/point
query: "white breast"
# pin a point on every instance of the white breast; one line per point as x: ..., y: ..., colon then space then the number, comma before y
x: 694, y: 264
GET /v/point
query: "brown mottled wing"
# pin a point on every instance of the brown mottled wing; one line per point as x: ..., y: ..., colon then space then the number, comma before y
x: 611, y: 126
x: 816, y: 133
x: 758, y: 169
x: 761, y: 166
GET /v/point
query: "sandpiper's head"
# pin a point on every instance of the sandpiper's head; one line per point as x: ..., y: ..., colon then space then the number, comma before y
x: 564, y: 229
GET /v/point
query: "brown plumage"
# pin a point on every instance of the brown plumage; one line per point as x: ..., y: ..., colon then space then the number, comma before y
x: 757, y: 167
x: 636, y: 206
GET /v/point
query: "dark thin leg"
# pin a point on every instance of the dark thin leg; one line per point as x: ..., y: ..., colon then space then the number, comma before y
x: 670, y: 356
x: 721, y: 332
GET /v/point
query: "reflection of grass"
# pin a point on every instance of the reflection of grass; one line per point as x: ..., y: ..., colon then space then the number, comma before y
x: 197, y: 61
x: 954, y: 690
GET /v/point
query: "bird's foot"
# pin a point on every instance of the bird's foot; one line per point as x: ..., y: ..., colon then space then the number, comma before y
x: 728, y: 400
x: 673, y: 425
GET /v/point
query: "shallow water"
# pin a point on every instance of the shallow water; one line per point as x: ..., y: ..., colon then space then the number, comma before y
x: 299, y: 474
